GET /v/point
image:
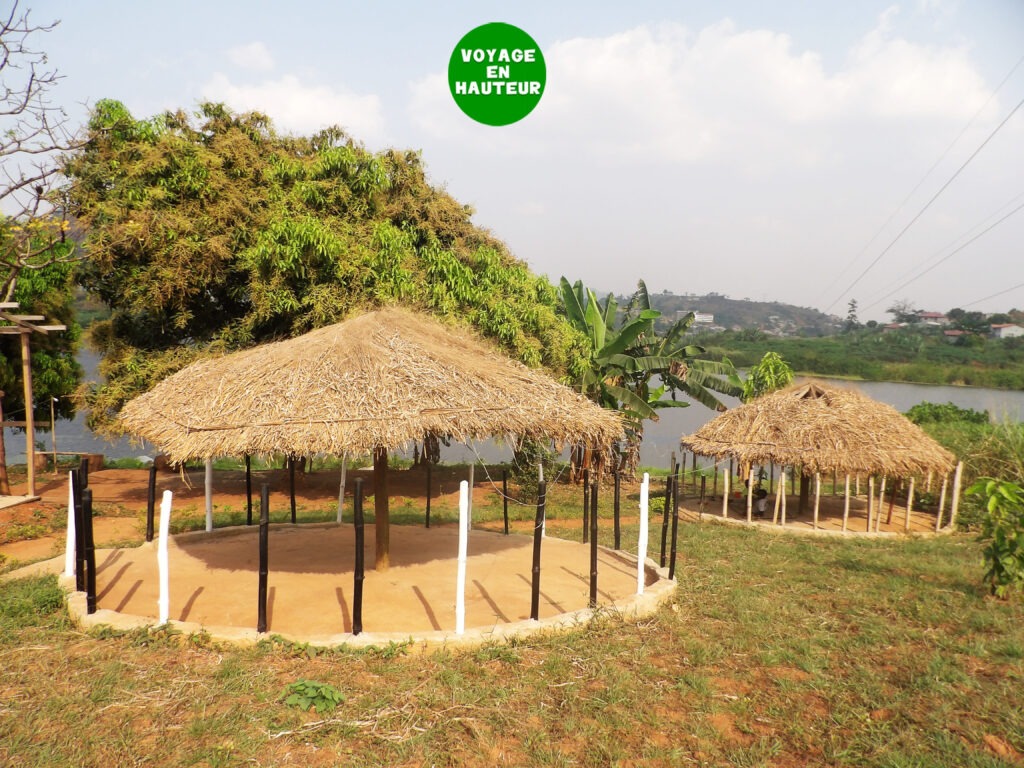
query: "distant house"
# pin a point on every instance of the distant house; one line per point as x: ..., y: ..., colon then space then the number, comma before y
x: 933, y: 318
x: 705, y: 318
x: 1006, y: 330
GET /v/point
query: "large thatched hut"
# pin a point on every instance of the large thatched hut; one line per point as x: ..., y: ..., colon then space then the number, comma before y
x: 820, y: 429
x: 376, y: 382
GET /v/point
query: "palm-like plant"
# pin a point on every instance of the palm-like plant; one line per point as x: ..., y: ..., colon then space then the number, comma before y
x: 635, y: 370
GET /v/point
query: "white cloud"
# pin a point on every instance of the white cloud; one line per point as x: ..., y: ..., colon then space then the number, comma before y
x: 254, y: 56
x: 745, y: 98
x: 303, y: 108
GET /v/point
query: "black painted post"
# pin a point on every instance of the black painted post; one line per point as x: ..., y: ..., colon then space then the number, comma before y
x: 675, y: 524
x: 357, y: 586
x: 504, y: 496
x: 261, y: 620
x: 586, y: 505
x: 616, y: 509
x: 150, y: 502
x: 664, y: 519
x: 538, y: 527
x: 90, y: 553
x: 428, y: 493
x: 76, y: 486
x: 248, y: 490
x: 593, y: 545
x: 83, y: 472
x: 703, y: 491
x: 291, y: 484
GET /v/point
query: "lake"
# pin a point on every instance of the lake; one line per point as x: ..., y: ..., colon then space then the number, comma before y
x: 660, y: 439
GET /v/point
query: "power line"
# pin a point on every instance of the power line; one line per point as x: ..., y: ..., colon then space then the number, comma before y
x: 948, y: 256
x: 1000, y: 293
x: 927, y: 205
x: 924, y: 178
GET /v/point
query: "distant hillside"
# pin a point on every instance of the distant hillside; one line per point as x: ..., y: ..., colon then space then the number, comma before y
x: 717, y: 312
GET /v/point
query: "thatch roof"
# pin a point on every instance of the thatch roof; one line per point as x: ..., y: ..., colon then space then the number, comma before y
x: 823, y: 428
x: 382, y: 379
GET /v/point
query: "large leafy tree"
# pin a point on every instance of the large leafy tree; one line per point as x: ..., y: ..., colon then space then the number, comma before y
x: 211, y: 231
x: 635, y: 370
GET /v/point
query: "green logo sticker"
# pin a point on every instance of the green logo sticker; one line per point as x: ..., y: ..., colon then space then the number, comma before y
x: 497, y: 74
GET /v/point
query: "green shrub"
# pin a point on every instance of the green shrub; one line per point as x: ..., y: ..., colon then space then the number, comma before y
x: 1003, y: 530
x: 929, y: 413
x: 307, y: 694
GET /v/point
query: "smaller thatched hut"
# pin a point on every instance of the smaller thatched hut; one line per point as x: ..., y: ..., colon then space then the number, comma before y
x: 822, y: 429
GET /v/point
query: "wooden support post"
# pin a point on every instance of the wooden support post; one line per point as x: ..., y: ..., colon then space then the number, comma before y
x: 817, y: 497
x: 291, y: 486
x: 151, y: 502
x: 248, y: 489
x: 586, y: 505
x: 359, y: 569
x: 792, y: 479
x: 846, y: 501
x: 703, y: 494
x: 381, y: 514
x: 616, y: 508
x: 264, y: 543
x: 750, y: 493
x: 90, y: 553
x: 693, y: 471
x: 714, y: 485
x: 538, y: 529
x: 725, y: 495
x: 427, y: 517
x: 955, y: 505
x: 664, y: 522
x: 878, y: 509
x: 504, y: 498
x: 780, y: 492
x: 793, y: 470
x: 208, y: 484
x: 910, y: 504
x: 341, y: 486
x: 857, y: 481
x: 675, y: 529
x: 593, y: 546
x: 942, y: 503
x: 30, y: 429
x: 834, y: 483
x: 871, y: 500
x: 771, y: 477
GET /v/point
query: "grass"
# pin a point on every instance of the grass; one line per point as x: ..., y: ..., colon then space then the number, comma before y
x: 777, y: 651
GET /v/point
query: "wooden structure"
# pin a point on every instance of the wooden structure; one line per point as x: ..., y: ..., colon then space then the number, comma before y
x: 25, y: 326
x: 822, y: 428
x: 376, y: 382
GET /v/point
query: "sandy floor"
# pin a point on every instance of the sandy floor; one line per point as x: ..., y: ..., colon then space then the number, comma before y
x: 213, y: 579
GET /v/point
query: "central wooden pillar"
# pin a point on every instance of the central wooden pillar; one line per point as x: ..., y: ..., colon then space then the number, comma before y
x: 380, y: 507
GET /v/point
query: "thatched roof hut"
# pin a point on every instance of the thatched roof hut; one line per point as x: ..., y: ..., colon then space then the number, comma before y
x: 383, y: 379
x: 823, y: 429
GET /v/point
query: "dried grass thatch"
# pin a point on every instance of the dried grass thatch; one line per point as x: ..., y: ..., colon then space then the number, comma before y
x: 824, y: 429
x: 379, y: 380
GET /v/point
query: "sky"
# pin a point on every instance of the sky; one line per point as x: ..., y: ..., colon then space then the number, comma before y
x: 805, y: 151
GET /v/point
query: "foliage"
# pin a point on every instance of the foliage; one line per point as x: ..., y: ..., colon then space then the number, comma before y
x: 211, y: 232
x: 307, y: 694
x: 770, y: 374
x: 1003, y: 530
x: 925, y: 413
x: 635, y: 370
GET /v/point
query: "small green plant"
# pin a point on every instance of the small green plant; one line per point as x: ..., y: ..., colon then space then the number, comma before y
x: 307, y: 694
x: 1003, y: 530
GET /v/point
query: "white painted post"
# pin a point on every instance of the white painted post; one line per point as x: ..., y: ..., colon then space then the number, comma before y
x: 846, y: 502
x: 460, y: 581
x: 942, y: 503
x: 69, y: 544
x: 750, y: 493
x: 341, y: 486
x: 641, y: 545
x: 955, y: 505
x: 817, y: 497
x: 209, y: 494
x: 725, y: 493
x: 162, y: 561
x: 910, y: 504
